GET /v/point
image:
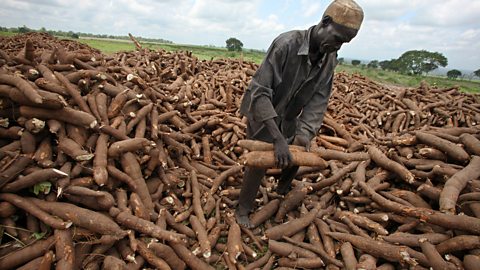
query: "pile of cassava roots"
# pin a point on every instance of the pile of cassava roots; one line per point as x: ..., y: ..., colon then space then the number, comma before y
x: 135, y: 160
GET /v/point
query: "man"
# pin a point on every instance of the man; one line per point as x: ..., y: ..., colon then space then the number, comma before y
x: 288, y: 95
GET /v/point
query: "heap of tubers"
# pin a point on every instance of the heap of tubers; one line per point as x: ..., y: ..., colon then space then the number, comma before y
x: 134, y: 160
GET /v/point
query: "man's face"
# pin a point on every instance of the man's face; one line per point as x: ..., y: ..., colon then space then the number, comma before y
x: 330, y: 37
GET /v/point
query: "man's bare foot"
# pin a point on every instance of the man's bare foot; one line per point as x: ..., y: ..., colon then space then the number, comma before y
x: 243, y: 220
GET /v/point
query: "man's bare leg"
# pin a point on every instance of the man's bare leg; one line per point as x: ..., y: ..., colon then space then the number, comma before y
x: 288, y: 174
x: 251, y: 183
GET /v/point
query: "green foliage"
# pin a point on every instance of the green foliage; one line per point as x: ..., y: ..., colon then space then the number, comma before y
x: 454, y: 73
x: 356, y: 62
x: 392, y: 65
x: 234, y: 44
x: 42, y: 187
x: 384, y: 64
x: 39, y: 235
x: 420, y: 62
x: 222, y: 240
x: 477, y: 72
x: 373, y: 64
x: 341, y: 60
x: 24, y: 29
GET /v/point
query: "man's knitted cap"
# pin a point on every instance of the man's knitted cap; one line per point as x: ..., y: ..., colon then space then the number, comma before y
x: 346, y: 13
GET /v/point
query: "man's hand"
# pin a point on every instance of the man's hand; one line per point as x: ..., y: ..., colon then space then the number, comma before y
x: 302, y: 140
x: 283, y: 158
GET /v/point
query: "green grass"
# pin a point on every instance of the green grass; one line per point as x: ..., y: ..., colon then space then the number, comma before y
x: 7, y: 34
x: 109, y: 46
x: 389, y: 77
x: 202, y: 52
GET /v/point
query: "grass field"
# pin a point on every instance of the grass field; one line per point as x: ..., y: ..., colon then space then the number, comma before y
x: 109, y: 46
x: 394, y: 78
x: 8, y: 34
x: 202, y: 52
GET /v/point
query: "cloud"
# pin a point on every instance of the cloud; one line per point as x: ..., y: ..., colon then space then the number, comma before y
x: 393, y: 27
x: 312, y: 8
x: 386, y: 40
x: 219, y: 20
x: 449, y: 13
x: 392, y: 10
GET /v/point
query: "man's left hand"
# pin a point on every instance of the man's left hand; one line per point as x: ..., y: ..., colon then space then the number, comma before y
x: 302, y: 140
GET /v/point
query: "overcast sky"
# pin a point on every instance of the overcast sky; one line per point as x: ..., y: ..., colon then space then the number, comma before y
x: 391, y: 27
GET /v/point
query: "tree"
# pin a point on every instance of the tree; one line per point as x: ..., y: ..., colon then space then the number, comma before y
x: 356, y: 62
x: 384, y: 64
x: 373, y: 64
x: 234, y: 44
x: 341, y: 60
x: 477, y: 72
x: 24, y: 29
x: 419, y: 62
x: 454, y: 73
x: 392, y: 65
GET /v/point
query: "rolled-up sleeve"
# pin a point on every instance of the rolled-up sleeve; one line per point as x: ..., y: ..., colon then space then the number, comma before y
x: 311, y: 118
x: 267, y: 77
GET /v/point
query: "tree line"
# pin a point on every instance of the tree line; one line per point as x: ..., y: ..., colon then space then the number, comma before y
x: 71, y: 34
x: 414, y: 62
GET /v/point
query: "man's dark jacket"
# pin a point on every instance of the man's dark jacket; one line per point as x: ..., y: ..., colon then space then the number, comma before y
x: 289, y: 88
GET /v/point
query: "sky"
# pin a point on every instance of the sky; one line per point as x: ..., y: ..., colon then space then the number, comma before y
x: 390, y: 27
